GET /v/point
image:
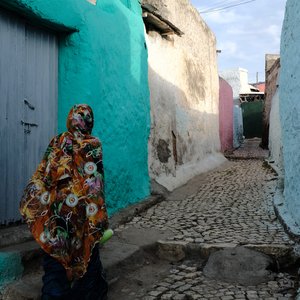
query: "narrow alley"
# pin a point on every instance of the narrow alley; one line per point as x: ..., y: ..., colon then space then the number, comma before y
x: 230, y: 207
x: 149, y: 150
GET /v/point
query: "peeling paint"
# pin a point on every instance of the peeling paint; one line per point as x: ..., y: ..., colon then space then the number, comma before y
x: 92, y: 1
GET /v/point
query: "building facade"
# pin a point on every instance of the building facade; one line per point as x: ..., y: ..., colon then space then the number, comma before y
x: 272, y: 62
x: 272, y: 122
x: 289, y: 90
x: 92, y: 52
x: 237, y: 78
x: 184, y: 92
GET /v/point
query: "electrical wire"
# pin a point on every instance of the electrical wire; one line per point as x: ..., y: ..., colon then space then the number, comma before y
x: 219, y: 4
x: 225, y: 7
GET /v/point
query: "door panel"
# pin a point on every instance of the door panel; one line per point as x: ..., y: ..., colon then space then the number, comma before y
x: 28, y: 89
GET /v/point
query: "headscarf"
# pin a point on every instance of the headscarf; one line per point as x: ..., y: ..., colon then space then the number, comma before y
x: 63, y: 202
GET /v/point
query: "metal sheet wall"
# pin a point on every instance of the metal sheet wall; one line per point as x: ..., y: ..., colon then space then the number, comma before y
x: 252, y: 118
x: 28, y: 95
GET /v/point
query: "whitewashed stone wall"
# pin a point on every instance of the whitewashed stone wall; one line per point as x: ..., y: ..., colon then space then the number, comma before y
x: 275, y: 139
x: 290, y: 110
x: 184, y: 90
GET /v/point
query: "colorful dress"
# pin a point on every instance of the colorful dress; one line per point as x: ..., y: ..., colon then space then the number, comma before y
x: 63, y: 202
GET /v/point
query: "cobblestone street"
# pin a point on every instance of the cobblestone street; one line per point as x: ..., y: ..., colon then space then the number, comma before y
x: 217, y: 237
x: 232, y: 207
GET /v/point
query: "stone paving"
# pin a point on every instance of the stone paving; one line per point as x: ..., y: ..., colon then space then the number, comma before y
x: 249, y: 149
x: 188, y: 282
x: 233, y: 206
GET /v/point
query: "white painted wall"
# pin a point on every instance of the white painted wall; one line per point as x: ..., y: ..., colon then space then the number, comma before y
x: 275, y: 139
x: 238, y: 79
x: 290, y: 108
x: 237, y: 126
x: 184, y: 89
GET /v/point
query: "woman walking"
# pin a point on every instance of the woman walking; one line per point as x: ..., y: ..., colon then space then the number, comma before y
x: 64, y: 207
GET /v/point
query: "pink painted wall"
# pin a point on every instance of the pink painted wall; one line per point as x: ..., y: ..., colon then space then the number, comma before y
x: 226, y: 115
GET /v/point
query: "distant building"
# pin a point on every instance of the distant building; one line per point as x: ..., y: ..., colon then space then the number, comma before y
x: 247, y: 117
x: 261, y: 86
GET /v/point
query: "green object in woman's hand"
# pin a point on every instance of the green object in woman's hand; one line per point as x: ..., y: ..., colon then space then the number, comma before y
x: 106, y: 236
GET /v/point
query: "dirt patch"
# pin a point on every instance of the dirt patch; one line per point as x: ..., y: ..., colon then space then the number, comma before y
x: 136, y: 279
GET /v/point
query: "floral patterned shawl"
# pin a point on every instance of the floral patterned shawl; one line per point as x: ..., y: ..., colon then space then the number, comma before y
x: 63, y: 203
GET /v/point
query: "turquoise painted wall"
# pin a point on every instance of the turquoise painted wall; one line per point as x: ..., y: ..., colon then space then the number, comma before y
x: 11, y: 267
x: 290, y: 107
x: 104, y: 64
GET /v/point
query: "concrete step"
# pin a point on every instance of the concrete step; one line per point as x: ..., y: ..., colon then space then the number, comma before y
x: 27, y: 288
x: 28, y: 251
x: 14, y: 235
x: 19, y: 260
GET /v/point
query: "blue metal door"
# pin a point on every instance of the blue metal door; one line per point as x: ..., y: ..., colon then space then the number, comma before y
x: 28, y: 105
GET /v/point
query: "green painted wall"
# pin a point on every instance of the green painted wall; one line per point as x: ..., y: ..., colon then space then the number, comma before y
x: 252, y: 118
x: 104, y: 64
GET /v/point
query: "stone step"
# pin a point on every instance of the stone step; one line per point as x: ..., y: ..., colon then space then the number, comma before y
x: 18, y: 260
x: 14, y: 235
x: 27, y: 288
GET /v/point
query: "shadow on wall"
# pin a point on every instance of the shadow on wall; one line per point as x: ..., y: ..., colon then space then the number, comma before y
x: 183, y: 140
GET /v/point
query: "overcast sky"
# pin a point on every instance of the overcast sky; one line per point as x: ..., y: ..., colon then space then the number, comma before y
x: 245, y: 33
